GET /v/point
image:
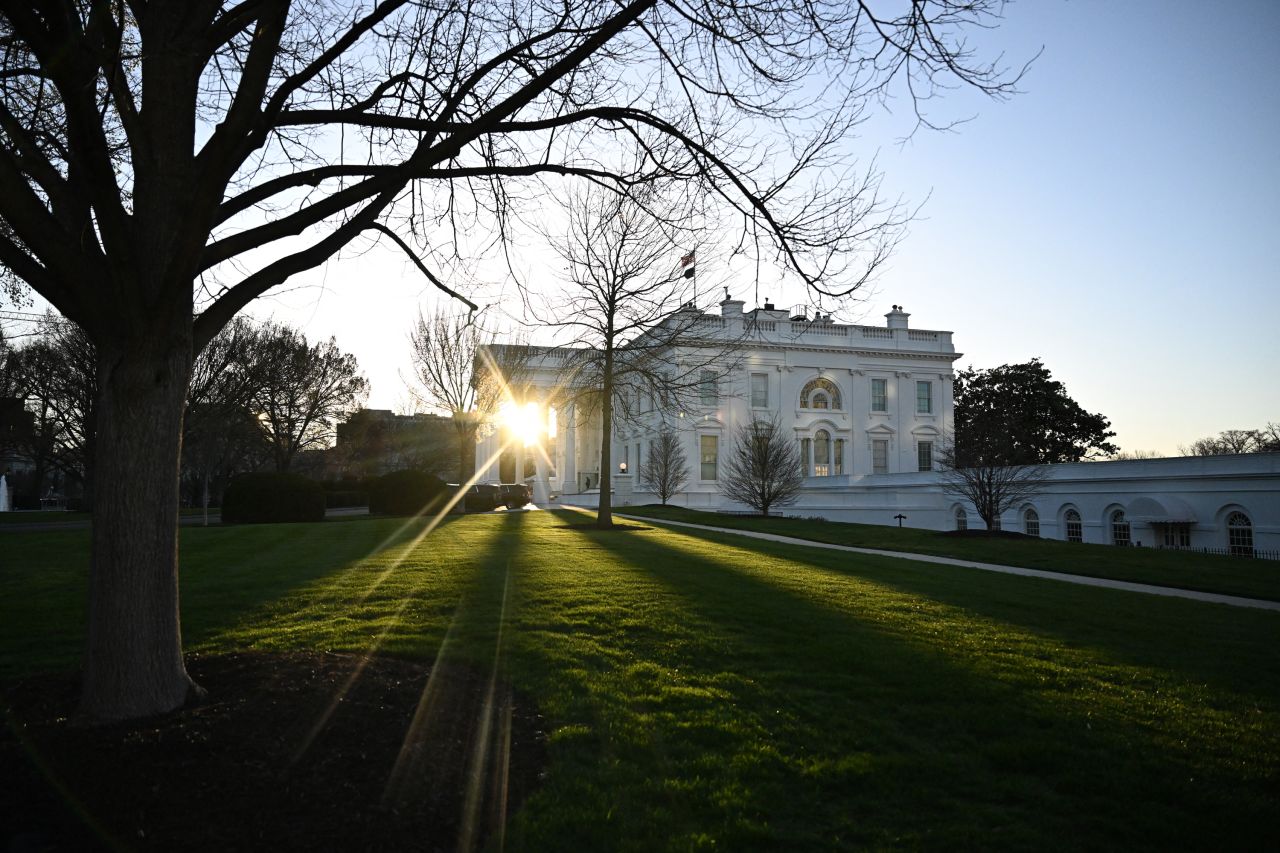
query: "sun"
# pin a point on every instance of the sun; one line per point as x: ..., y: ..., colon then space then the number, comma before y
x: 523, y: 422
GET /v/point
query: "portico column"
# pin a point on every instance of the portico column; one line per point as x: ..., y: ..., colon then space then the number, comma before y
x: 541, y: 487
x: 569, y: 476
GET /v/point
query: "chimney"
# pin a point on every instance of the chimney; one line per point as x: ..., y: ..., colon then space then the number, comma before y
x: 731, y: 308
x: 897, y: 318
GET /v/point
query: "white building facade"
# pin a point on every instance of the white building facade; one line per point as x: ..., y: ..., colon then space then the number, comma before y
x: 869, y: 407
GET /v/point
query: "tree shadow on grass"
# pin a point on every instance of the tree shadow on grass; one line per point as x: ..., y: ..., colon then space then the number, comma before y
x: 229, y: 582
x: 1212, y: 644
x: 879, y: 728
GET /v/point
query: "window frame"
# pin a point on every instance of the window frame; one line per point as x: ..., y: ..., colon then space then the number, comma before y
x: 926, y: 400
x: 1239, y: 535
x: 880, y: 401
x: 764, y: 377
x: 835, y: 401
x: 1072, y: 519
x: 708, y: 390
x: 924, y: 456
x: 702, y: 457
x: 1031, y: 522
x: 822, y: 453
x: 1121, y: 528
x: 881, y: 466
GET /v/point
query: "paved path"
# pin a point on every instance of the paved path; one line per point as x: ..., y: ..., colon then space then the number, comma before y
x: 1083, y: 580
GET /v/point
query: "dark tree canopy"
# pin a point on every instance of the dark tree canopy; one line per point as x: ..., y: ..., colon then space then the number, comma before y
x: 1018, y: 414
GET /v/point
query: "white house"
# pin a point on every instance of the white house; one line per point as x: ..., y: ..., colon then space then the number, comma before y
x: 869, y: 406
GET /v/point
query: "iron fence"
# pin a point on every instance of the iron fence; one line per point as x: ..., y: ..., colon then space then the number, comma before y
x: 1253, y: 553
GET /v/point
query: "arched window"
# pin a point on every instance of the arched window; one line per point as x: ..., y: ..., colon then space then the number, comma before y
x: 821, y: 453
x: 1075, y: 531
x: 1119, y: 528
x: 962, y: 519
x: 1240, y: 535
x: 820, y: 393
x: 1031, y: 522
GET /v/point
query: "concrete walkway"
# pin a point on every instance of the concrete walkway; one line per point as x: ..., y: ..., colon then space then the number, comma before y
x: 1082, y: 580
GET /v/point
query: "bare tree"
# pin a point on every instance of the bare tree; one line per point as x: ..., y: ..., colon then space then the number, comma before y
x: 55, y: 374
x: 763, y: 467
x: 221, y: 435
x: 162, y: 164
x: 1233, y: 441
x: 298, y: 390
x: 628, y: 314
x: 451, y: 374
x: 991, y: 487
x: 666, y: 471
x: 1129, y: 455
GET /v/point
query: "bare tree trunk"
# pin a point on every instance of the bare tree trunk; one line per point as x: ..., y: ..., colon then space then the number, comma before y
x: 133, y: 663
x: 604, y: 517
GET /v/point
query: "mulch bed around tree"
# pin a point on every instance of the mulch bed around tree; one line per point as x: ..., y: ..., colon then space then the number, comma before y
x: 280, y: 758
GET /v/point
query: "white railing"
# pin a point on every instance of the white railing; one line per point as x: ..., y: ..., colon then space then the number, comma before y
x: 820, y: 329
x: 913, y: 335
x: 876, y: 332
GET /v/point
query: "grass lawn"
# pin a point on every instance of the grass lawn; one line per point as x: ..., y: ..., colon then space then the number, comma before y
x: 1183, y: 569
x: 711, y: 692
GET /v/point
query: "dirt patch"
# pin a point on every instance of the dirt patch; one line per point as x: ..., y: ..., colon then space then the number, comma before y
x: 294, y: 751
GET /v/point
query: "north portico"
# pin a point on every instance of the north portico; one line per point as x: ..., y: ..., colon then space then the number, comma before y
x: 857, y: 399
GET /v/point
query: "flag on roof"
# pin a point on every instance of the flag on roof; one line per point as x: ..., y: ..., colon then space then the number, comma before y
x: 687, y: 262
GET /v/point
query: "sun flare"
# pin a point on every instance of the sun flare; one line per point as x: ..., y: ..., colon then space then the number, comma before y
x: 523, y: 422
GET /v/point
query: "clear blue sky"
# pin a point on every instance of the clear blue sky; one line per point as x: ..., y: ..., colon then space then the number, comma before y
x: 1119, y: 219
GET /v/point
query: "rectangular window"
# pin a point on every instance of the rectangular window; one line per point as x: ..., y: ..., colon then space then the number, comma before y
x: 879, y: 395
x: 924, y: 454
x: 804, y: 456
x: 880, y: 456
x: 626, y: 457
x: 924, y: 398
x: 759, y: 391
x: 709, y: 446
x: 839, y: 456
x: 707, y: 389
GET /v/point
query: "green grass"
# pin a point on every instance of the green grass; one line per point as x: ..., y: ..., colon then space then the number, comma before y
x: 1182, y: 569
x: 711, y: 692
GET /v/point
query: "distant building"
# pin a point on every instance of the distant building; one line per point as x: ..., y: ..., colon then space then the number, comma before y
x: 372, y: 442
x: 869, y: 407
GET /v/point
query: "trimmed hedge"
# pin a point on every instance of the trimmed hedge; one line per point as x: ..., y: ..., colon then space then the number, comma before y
x: 268, y: 496
x: 406, y: 493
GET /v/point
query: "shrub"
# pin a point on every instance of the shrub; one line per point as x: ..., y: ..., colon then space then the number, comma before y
x: 267, y: 496
x: 406, y: 493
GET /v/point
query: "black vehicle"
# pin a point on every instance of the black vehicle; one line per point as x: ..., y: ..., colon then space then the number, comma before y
x: 481, y: 497
x: 514, y: 495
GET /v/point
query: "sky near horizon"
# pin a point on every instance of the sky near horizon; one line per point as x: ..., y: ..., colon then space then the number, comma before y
x: 1119, y: 219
